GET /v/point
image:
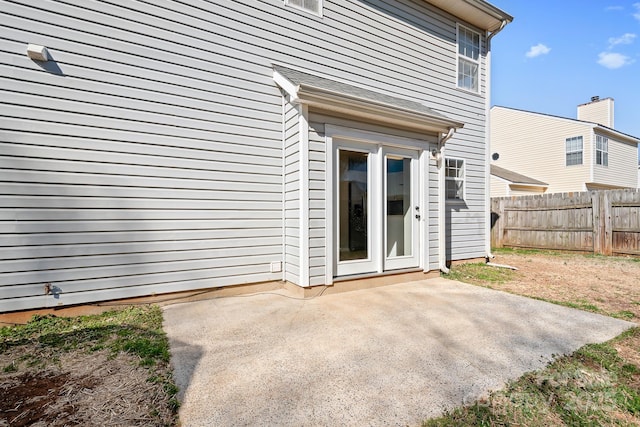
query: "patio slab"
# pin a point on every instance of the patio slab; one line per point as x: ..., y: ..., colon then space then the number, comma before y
x: 393, y: 355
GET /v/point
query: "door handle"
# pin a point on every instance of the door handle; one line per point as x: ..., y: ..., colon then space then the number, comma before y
x: 417, y: 216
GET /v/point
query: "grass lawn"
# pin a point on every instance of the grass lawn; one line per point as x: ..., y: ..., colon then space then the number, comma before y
x: 599, y: 385
x: 108, y: 369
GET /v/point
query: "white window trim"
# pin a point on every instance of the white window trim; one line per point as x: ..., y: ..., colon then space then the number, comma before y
x: 478, y: 62
x: 463, y: 179
x: 572, y: 152
x: 606, y: 141
x: 313, y: 12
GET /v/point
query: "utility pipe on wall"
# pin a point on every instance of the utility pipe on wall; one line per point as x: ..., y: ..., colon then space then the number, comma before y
x: 487, y: 191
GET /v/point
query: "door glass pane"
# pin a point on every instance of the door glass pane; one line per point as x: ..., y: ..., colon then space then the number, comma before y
x: 399, y: 219
x: 352, y: 217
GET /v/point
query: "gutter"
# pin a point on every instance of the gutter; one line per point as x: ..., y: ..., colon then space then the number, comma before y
x: 487, y: 192
x: 442, y: 229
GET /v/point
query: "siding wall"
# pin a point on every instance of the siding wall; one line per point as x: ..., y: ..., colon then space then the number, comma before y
x: 621, y: 171
x: 317, y: 207
x: 600, y: 112
x: 291, y: 194
x: 534, y: 145
x: 499, y: 187
x: 147, y: 157
x: 432, y: 184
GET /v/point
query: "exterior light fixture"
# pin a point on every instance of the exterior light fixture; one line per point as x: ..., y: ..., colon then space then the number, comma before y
x: 38, y: 53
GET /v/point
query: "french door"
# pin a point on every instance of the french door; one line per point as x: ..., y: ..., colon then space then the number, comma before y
x: 377, y: 209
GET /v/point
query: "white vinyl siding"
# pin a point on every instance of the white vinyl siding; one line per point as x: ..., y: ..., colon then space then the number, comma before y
x: 601, y: 112
x: 148, y: 158
x: 622, y: 171
x: 499, y: 187
x: 524, y: 141
x: 574, y: 151
x: 534, y: 145
x: 291, y: 194
x: 602, y: 150
x: 317, y: 194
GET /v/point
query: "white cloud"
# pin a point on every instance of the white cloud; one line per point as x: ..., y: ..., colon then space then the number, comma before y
x: 637, y: 14
x: 538, y: 50
x: 613, y: 60
x: 626, y: 38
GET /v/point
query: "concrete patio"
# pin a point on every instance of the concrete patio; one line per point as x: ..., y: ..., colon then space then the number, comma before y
x: 393, y: 355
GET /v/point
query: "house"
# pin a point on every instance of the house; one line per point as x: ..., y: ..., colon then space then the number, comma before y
x: 568, y: 155
x: 153, y: 148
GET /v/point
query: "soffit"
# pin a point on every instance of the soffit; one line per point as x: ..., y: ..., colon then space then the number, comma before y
x: 477, y: 12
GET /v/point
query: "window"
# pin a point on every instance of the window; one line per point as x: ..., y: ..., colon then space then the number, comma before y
x: 313, y: 6
x: 468, y: 59
x: 574, y: 151
x: 454, y: 179
x: 602, y: 150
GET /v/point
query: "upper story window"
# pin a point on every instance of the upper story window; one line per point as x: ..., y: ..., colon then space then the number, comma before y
x: 468, y: 59
x: 313, y: 6
x: 602, y: 150
x: 454, y: 179
x: 573, y: 151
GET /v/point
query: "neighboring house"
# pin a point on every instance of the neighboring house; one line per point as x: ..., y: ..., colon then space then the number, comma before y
x: 580, y: 154
x: 150, y: 148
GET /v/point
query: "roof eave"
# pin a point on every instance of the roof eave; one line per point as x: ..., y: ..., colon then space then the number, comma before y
x: 373, y: 111
x: 526, y: 184
x: 617, y: 134
x: 477, y: 12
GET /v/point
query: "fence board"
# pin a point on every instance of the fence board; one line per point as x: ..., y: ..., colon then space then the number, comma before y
x: 602, y: 222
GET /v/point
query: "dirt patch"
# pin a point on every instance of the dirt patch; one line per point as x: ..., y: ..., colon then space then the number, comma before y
x: 34, y: 397
x: 88, y: 389
x: 608, y: 285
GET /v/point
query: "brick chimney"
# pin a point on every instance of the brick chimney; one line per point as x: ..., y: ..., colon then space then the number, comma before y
x: 597, y: 111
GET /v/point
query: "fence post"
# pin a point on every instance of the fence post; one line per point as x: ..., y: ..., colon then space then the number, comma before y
x: 598, y: 225
x: 607, y: 223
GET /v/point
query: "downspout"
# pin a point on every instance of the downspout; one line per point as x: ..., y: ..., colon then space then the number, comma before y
x: 487, y: 137
x: 284, y: 189
x: 442, y: 226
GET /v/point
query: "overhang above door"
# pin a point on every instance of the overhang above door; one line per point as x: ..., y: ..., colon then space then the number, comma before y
x: 328, y: 95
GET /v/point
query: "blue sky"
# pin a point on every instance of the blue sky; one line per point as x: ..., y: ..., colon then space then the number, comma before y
x: 558, y: 54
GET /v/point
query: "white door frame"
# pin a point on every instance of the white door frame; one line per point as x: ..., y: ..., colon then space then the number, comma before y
x: 339, y: 136
x: 412, y: 260
x: 371, y: 264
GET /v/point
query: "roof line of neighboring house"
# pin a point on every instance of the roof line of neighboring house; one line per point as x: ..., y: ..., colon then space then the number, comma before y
x: 594, y: 124
x: 515, y: 178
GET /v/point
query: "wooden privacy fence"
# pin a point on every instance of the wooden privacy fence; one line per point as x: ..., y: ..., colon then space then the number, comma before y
x: 602, y: 222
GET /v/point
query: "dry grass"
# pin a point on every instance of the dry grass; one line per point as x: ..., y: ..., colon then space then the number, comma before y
x: 106, y: 370
x: 608, y: 285
x: 599, y: 385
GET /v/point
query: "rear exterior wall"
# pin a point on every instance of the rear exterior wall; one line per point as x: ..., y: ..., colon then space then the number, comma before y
x: 149, y: 156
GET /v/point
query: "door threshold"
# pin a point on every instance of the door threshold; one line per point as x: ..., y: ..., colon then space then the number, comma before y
x: 368, y: 281
x: 370, y: 275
